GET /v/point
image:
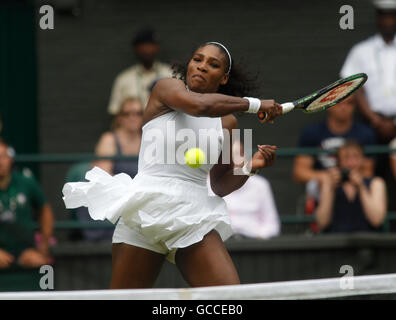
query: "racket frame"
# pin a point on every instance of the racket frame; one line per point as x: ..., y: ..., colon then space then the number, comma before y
x: 304, y: 102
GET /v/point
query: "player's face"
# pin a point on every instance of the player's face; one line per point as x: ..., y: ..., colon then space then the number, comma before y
x: 350, y: 158
x: 5, y: 161
x: 131, y: 116
x: 206, y: 70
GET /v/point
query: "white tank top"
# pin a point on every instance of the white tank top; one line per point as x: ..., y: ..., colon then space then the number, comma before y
x: 166, y: 138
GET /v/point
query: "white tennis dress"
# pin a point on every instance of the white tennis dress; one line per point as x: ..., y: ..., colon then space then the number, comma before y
x: 166, y: 205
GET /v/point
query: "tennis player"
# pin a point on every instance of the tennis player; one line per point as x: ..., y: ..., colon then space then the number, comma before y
x: 165, y: 210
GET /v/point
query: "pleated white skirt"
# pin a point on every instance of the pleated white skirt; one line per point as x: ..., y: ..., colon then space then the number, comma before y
x: 157, y: 213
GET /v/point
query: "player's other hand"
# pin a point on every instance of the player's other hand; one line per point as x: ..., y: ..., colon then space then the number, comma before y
x: 272, y: 109
x: 264, y: 157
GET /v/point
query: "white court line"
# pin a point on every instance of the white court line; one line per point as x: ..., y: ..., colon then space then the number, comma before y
x: 285, y: 290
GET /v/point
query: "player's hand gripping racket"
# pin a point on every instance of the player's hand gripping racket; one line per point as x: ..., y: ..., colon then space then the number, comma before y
x: 325, y: 97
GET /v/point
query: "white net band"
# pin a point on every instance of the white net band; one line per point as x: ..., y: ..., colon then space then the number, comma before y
x: 288, y: 290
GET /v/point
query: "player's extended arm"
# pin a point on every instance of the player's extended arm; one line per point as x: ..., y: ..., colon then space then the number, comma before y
x: 173, y: 93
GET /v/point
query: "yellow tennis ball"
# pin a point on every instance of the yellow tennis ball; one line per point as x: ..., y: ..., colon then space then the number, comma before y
x: 194, y: 157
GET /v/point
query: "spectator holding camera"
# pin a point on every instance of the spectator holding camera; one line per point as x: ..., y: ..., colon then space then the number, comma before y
x: 348, y: 201
x: 329, y: 134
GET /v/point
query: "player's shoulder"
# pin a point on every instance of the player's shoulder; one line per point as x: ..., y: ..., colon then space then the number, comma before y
x: 167, y: 80
x: 165, y: 83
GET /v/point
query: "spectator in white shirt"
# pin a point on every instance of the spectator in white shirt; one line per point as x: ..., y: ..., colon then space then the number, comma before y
x: 252, y: 207
x: 376, y: 57
x: 136, y: 81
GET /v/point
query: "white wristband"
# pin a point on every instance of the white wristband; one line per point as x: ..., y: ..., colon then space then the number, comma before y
x: 254, y: 104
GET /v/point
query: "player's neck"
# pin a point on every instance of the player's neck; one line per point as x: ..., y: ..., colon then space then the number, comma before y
x: 339, y: 126
x: 5, y: 181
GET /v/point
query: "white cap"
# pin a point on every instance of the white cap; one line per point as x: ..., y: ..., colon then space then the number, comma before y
x: 385, y: 4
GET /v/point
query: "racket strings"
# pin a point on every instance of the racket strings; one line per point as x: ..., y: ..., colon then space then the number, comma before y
x: 335, y: 95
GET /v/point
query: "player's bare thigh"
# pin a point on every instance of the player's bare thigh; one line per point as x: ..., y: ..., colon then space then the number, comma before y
x: 134, y: 267
x: 207, y: 263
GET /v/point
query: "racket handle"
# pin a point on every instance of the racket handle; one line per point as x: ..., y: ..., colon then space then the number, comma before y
x: 286, y: 107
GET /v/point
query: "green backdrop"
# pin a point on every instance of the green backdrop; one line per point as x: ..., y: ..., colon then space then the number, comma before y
x: 18, y: 75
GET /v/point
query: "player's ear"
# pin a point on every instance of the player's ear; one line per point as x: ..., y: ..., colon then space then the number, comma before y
x: 225, y: 78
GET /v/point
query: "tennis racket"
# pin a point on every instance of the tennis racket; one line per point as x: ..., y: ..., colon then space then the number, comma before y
x: 325, y: 97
